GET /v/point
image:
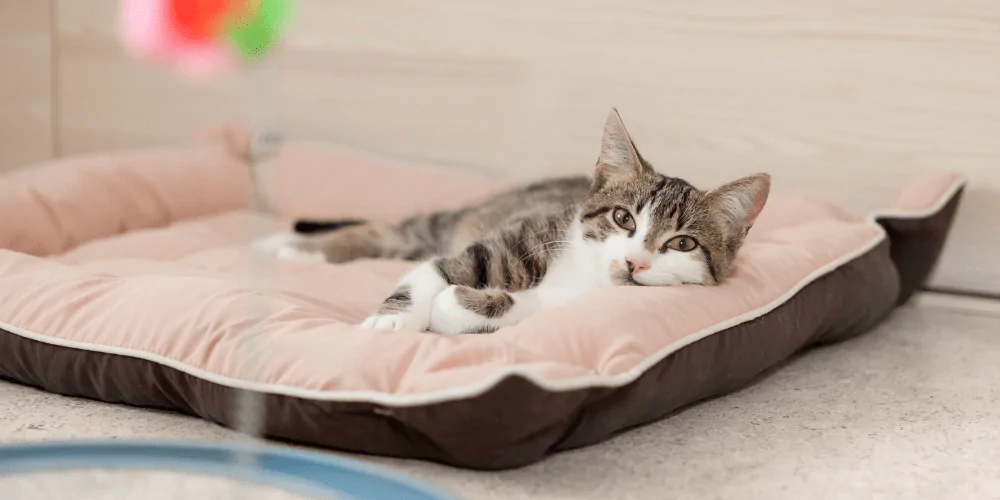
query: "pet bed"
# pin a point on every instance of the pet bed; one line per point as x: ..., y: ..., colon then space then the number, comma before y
x: 127, y: 278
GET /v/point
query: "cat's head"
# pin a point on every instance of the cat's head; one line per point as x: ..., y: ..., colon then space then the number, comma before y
x: 656, y: 230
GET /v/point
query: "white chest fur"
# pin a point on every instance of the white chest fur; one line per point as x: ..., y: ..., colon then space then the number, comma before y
x: 578, y: 269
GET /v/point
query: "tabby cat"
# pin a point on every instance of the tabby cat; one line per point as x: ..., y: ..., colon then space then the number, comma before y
x: 493, y: 264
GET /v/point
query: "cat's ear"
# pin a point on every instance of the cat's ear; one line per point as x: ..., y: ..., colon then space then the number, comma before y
x: 618, y: 152
x: 740, y: 202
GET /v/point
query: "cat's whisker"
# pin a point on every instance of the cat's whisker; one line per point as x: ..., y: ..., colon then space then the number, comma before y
x: 537, y: 250
x: 532, y: 235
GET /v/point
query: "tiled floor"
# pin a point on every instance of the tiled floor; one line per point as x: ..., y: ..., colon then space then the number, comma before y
x: 910, y: 411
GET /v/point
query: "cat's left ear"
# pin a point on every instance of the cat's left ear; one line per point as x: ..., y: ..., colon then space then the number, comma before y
x: 740, y: 202
x: 618, y: 152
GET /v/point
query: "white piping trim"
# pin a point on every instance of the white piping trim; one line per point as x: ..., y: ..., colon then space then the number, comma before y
x: 522, y: 370
x: 943, y: 200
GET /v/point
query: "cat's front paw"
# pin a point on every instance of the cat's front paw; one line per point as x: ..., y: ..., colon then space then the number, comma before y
x: 298, y: 252
x: 459, y: 309
x: 396, y: 322
x: 289, y: 246
x: 448, y: 316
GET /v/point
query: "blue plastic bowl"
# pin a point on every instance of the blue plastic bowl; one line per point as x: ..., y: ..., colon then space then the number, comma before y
x: 301, y: 472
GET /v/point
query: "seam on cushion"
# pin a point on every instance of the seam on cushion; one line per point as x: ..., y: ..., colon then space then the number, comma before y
x: 522, y: 370
x: 50, y: 213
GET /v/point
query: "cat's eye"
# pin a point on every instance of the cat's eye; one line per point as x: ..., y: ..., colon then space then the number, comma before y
x: 624, y: 219
x: 682, y: 244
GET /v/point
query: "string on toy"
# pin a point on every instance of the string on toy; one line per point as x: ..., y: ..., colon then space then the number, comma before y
x: 200, y: 38
x: 264, y: 143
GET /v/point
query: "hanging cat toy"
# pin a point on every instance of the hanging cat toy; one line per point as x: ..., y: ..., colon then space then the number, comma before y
x: 202, y: 38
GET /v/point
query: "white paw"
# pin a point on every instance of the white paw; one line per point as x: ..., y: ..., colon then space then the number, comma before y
x: 395, y: 322
x: 295, y: 253
x: 449, y: 317
x: 269, y: 245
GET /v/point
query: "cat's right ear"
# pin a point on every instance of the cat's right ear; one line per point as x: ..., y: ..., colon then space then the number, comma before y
x: 738, y: 203
x: 618, y: 153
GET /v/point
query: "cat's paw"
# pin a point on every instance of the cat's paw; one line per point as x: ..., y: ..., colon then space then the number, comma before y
x: 269, y: 245
x: 448, y: 316
x: 288, y: 246
x: 395, y: 322
x: 299, y: 253
x: 451, y: 317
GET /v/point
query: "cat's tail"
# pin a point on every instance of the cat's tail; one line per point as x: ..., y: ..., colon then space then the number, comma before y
x: 343, y: 240
x: 306, y: 226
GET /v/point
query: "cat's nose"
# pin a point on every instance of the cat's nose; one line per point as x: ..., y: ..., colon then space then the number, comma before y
x: 636, y: 264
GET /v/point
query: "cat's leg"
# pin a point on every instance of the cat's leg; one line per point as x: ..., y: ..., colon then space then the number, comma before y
x: 284, y: 246
x: 515, y: 260
x: 368, y: 240
x: 409, y: 306
x: 460, y: 309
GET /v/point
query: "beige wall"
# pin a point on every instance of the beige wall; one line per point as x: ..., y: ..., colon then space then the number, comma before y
x: 25, y: 82
x: 845, y: 99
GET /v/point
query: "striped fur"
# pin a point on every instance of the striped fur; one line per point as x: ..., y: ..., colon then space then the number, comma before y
x: 492, y: 259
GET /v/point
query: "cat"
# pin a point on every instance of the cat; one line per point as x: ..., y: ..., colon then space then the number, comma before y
x: 492, y: 264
